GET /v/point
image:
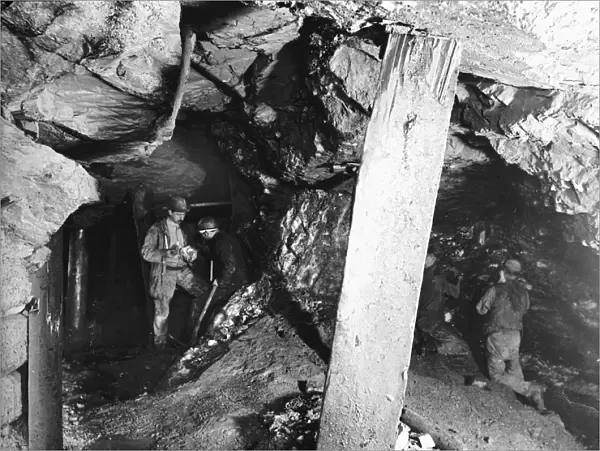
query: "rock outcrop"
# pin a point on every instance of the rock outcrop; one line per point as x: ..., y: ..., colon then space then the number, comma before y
x: 550, y: 134
x: 517, y: 43
x: 93, y: 75
x: 39, y: 189
x: 126, y: 44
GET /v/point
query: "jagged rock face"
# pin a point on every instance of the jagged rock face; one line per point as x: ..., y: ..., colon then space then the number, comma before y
x: 314, y: 242
x: 124, y: 43
x: 39, y: 189
x: 89, y: 73
x: 517, y: 43
x: 97, y: 77
x: 548, y: 134
x: 235, y: 43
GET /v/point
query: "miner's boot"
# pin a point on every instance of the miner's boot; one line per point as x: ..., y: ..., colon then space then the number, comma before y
x: 536, y: 397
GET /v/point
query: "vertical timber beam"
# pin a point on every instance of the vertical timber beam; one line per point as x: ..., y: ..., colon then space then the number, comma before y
x: 45, y: 355
x: 77, y: 290
x: 391, y: 223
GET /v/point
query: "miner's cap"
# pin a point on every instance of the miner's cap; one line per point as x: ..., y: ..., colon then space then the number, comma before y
x: 178, y: 204
x: 513, y: 266
x: 207, y: 223
x: 430, y: 260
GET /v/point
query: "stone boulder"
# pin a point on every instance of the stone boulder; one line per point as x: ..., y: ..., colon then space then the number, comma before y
x: 230, y: 42
x: 126, y: 44
x: 90, y: 73
x: 39, y: 189
x: 85, y: 107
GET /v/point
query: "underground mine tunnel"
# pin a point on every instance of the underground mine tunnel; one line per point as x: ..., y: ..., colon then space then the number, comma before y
x: 341, y: 142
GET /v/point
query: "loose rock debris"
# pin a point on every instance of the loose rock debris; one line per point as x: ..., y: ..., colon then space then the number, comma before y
x: 244, y: 308
x: 297, y: 426
x: 412, y: 439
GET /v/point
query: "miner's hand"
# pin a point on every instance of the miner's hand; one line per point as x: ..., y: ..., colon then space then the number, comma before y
x: 171, y: 253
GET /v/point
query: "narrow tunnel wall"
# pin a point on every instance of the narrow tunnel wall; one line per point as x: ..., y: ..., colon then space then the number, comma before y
x: 45, y: 354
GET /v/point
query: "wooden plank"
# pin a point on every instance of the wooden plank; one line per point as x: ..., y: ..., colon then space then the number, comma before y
x: 45, y: 355
x: 391, y: 223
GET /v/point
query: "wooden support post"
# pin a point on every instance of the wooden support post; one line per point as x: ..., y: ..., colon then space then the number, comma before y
x: 45, y: 355
x: 165, y: 125
x: 391, y: 222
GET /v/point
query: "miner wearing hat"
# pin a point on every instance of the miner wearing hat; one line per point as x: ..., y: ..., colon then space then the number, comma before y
x: 167, y: 247
x: 432, y: 333
x: 504, y: 306
x: 226, y: 253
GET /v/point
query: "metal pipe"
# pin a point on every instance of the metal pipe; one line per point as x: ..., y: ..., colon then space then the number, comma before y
x: 210, y: 204
x: 77, y: 287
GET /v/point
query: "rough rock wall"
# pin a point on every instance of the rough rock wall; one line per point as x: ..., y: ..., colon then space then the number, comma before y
x: 314, y: 240
x: 517, y: 43
x: 92, y: 77
x: 89, y: 72
x: 233, y: 41
x: 39, y: 189
x: 551, y: 134
x: 569, y: 31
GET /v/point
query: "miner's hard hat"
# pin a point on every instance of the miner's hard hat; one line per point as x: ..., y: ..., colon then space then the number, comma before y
x: 178, y: 204
x: 430, y: 260
x: 207, y: 223
x: 512, y: 266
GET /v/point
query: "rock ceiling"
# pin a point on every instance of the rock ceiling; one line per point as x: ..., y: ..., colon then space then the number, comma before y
x: 289, y: 87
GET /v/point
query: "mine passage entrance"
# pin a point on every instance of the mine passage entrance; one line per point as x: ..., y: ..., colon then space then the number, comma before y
x: 117, y: 313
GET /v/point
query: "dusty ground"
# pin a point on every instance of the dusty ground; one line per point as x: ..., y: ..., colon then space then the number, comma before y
x: 264, y: 393
x: 481, y: 419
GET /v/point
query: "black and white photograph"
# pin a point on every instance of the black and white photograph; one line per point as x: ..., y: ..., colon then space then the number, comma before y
x: 299, y: 225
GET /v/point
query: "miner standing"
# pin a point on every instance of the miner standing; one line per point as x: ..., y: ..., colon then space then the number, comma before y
x: 167, y: 248
x: 504, y: 305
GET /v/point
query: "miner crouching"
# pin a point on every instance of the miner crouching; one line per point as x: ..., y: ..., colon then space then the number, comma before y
x: 230, y: 272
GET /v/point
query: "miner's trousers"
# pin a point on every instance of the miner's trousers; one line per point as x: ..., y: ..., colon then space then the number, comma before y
x: 502, y: 349
x: 172, y: 278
